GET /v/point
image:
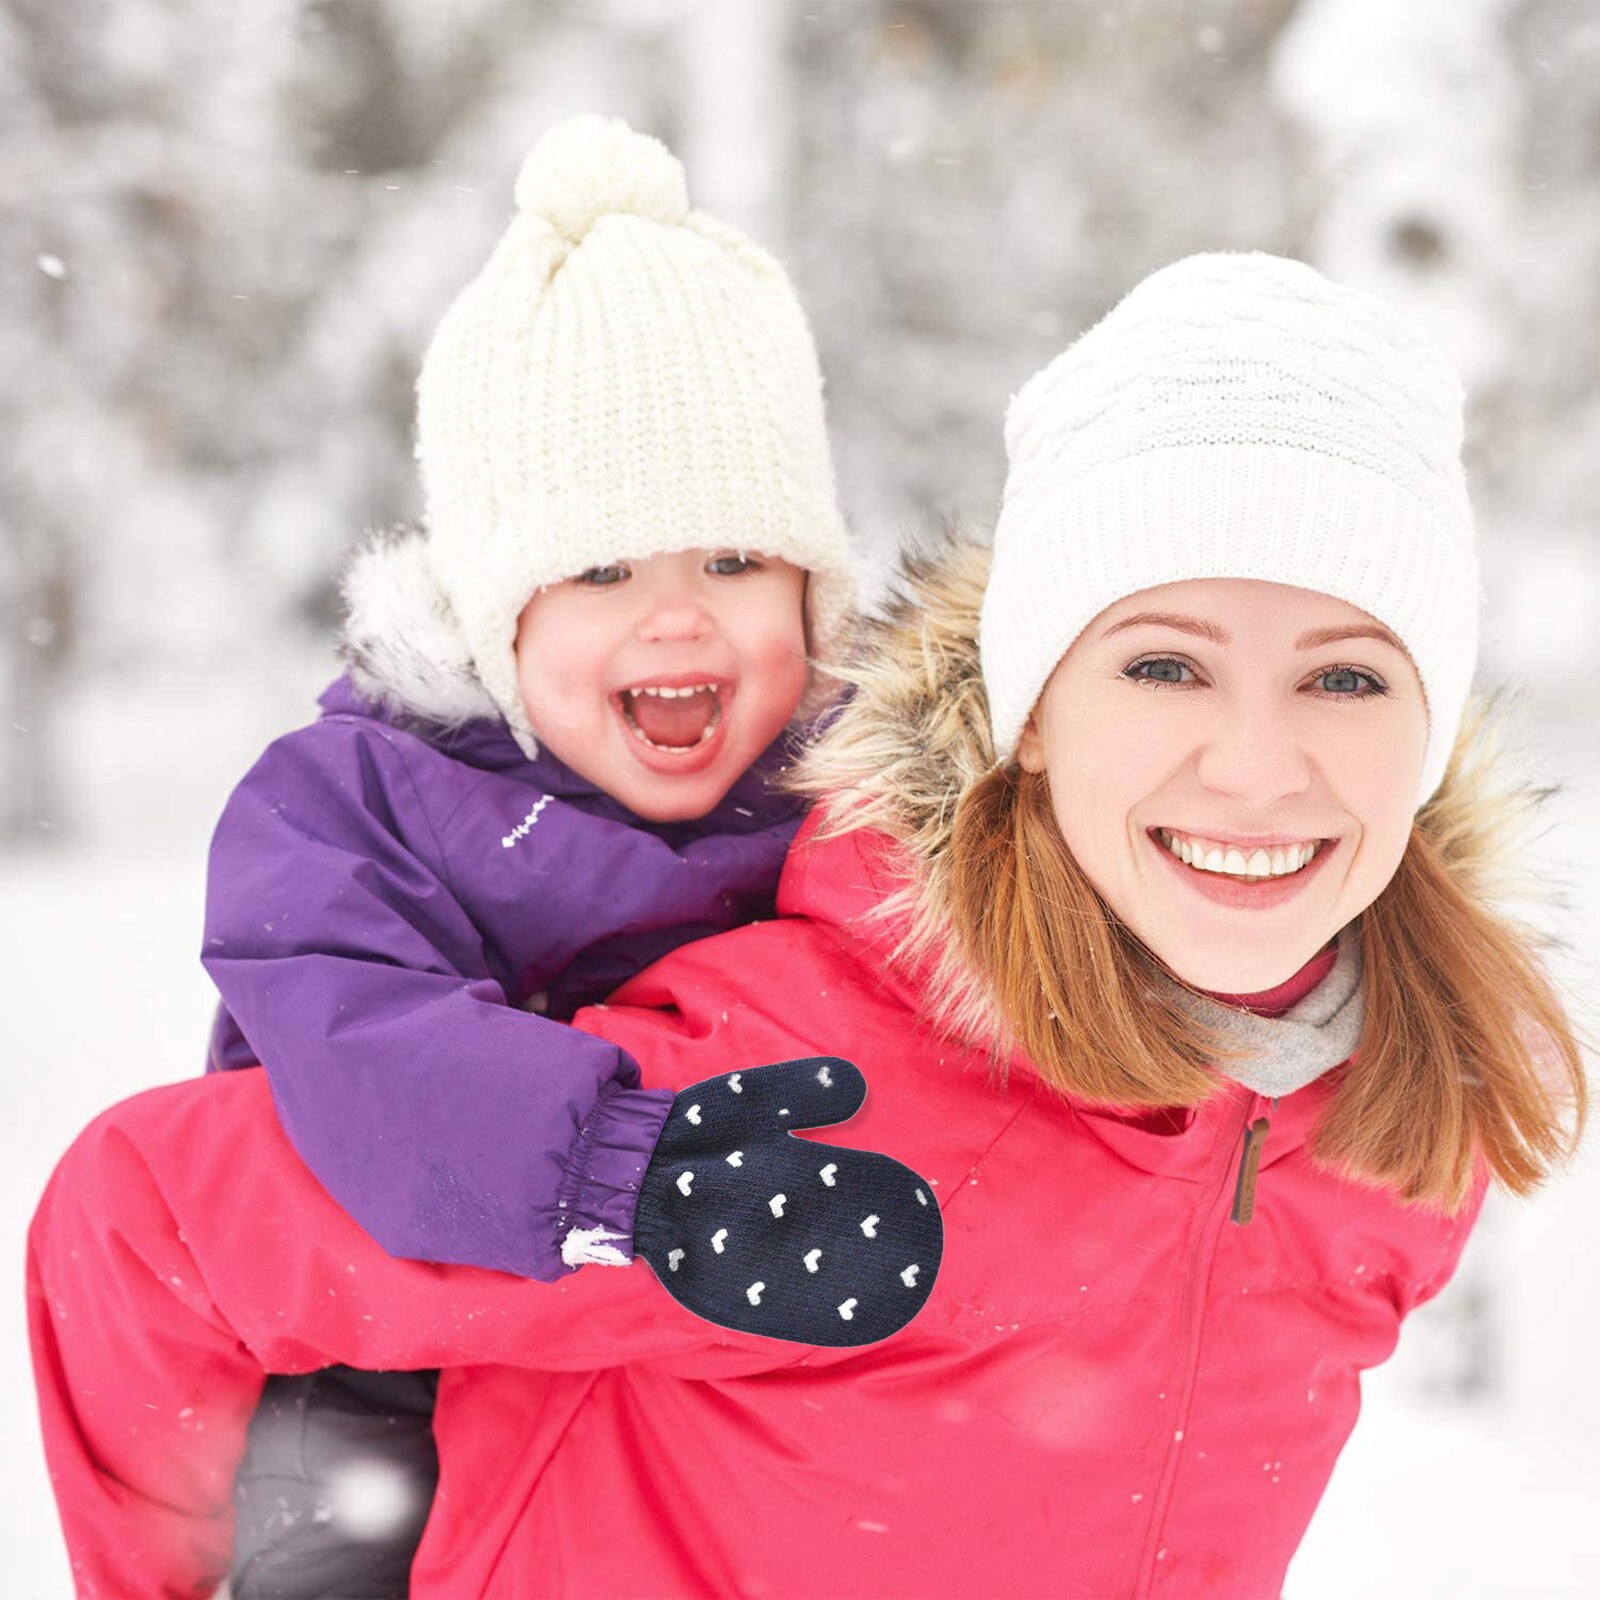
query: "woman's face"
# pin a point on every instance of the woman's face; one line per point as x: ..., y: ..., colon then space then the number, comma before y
x: 1229, y: 711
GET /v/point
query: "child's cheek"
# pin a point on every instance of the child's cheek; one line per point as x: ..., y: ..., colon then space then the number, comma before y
x: 786, y: 672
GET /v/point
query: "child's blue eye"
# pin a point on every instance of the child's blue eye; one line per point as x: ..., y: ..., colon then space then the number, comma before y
x: 730, y: 563
x: 602, y: 577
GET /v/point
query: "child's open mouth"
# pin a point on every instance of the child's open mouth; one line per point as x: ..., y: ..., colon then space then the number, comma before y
x: 672, y: 719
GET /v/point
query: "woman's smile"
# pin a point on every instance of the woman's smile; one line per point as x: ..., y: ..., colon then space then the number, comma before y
x: 1259, y: 893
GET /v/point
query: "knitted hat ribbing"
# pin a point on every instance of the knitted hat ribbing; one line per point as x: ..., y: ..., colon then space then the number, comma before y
x: 626, y: 377
x: 1237, y: 416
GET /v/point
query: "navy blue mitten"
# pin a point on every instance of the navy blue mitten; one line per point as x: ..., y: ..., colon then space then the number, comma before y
x: 790, y: 1238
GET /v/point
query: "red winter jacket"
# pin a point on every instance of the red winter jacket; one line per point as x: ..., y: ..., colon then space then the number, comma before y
x: 1112, y: 1391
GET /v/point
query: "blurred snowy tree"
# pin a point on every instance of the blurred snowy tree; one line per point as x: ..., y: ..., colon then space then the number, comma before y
x: 1435, y: 134
x: 1012, y: 170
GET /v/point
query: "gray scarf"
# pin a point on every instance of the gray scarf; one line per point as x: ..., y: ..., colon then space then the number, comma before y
x: 1312, y: 1036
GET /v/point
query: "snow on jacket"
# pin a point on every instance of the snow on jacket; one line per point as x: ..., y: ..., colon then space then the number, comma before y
x: 1114, y: 1390
x: 396, y: 890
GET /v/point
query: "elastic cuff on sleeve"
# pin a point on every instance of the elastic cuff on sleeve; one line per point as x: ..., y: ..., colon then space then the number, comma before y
x: 599, y: 1193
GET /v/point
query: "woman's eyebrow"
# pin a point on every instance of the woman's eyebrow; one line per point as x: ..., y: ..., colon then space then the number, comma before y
x: 1313, y: 640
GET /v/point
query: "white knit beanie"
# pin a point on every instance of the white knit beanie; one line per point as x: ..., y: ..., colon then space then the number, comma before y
x: 1237, y: 416
x: 624, y: 378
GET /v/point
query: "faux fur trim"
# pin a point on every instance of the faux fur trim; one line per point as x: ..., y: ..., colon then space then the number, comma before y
x: 910, y: 742
x: 915, y: 737
x: 400, y: 639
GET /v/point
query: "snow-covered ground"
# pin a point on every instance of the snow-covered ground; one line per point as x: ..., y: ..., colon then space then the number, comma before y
x: 1434, y: 1497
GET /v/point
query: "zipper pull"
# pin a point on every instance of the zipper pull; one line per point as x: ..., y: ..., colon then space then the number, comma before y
x: 1244, y: 1194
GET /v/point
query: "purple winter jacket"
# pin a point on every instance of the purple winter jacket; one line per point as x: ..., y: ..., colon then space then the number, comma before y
x: 400, y: 914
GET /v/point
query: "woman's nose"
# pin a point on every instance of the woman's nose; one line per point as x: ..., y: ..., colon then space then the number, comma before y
x: 1257, y: 754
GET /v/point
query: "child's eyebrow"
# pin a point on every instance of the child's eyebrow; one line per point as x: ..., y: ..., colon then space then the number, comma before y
x: 1313, y: 640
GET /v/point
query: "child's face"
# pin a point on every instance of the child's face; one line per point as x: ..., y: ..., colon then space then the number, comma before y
x: 722, y: 630
x: 1150, y: 727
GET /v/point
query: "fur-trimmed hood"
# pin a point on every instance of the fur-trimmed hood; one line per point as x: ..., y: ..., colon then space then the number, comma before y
x: 399, y: 640
x: 914, y: 738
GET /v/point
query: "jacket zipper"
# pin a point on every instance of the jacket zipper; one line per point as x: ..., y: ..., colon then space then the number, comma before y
x: 1244, y: 1189
x: 1244, y: 1176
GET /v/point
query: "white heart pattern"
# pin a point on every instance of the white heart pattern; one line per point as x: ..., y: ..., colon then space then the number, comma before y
x: 725, y: 1290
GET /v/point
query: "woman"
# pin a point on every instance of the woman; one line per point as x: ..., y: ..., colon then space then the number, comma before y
x: 1201, y: 1135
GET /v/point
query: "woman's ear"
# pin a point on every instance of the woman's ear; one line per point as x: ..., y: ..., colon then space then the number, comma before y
x: 1030, y: 746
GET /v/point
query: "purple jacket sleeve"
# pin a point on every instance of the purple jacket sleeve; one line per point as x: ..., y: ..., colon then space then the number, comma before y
x: 449, y: 1124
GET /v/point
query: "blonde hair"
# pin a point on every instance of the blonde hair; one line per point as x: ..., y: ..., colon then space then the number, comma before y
x: 1467, y: 1049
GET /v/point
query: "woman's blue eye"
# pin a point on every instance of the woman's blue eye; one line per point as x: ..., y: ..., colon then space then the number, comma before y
x: 1160, y: 661
x: 730, y: 563
x: 1353, y: 676
x: 602, y: 577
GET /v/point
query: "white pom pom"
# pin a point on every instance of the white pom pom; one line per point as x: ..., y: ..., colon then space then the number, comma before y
x: 591, y: 167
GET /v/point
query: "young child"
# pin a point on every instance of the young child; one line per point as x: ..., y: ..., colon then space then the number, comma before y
x: 1249, y: 1104
x: 549, y: 763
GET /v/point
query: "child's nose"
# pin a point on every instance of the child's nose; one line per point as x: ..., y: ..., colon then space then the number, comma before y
x: 676, y: 617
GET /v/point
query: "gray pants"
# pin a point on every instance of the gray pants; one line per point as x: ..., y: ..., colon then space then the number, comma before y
x: 335, y: 1487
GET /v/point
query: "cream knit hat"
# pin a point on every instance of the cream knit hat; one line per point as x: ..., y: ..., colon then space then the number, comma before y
x: 1237, y: 416
x: 624, y: 378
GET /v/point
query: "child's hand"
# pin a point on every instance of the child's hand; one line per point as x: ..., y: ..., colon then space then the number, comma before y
x: 797, y: 1240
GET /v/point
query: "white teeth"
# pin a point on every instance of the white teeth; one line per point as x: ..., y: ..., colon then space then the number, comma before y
x: 1231, y: 861
x: 660, y: 691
